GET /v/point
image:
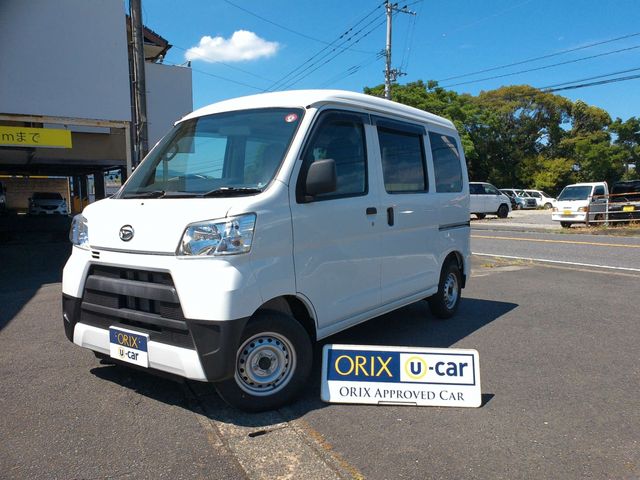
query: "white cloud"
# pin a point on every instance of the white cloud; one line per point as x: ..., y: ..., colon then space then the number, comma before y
x: 242, y: 46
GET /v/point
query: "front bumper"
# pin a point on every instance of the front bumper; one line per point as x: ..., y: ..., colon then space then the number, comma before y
x: 573, y: 218
x: 200, y: 350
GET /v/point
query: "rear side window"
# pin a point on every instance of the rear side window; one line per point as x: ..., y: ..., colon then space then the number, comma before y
x: 446, y: 163
x: 341, y: 137
x: 403, y: 162
x: 476, y: 189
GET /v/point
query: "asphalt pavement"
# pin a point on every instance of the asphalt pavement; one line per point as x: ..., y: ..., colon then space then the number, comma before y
x: 559, y: 372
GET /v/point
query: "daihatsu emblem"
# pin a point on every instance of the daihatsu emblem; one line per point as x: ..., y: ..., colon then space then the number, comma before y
x: 126, y: 233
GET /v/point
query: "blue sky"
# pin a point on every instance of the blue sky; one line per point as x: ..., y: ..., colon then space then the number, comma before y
x: 445, y: 39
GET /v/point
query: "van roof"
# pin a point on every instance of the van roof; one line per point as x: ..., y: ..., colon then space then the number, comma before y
x: 316, y: 98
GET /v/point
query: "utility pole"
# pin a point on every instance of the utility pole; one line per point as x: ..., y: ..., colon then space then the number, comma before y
x: 140, y: 136
x: 391, y: 74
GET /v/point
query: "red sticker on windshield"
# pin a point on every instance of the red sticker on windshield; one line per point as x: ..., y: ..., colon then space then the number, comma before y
x: 292, y: 117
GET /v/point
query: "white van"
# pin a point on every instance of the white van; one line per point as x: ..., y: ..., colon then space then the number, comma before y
x: 261, y: 224
x: 581, y: 203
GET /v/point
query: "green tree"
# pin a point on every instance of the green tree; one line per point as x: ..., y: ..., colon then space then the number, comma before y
x: 628, y: 138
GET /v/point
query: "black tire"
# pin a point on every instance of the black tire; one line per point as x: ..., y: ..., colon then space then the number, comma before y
x: 444, y: 304
x: 480, y: 215
x: 565, y: 224
x: 270, y: 338
x: 503, y: 211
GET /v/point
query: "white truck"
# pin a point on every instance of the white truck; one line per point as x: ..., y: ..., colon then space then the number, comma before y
x: 581, y: 203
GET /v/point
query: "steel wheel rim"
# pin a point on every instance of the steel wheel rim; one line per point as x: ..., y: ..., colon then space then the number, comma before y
x: 265, y: 364
x: 451, y: 290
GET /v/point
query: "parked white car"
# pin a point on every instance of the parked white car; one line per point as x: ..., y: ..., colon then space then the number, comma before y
x: 485, y: 199
x: 47, y: 203
x: 261, y: 224
x: 542, y: 199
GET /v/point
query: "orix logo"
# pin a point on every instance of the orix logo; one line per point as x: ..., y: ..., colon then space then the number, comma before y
x: 126, y: 233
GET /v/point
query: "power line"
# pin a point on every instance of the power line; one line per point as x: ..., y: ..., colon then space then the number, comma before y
x: 230, y: 66
x: 602, y: 82
x: 352, y: 70
x: 219, y: 77
x: 309, y: 60
x: 543, y: 67
x: 304, y: 35
x: 555, y: 54
x: 590, y: 78
x: 298, y: 77
x: 296, y: 72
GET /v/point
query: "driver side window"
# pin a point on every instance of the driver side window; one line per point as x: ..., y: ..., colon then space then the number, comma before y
x: 341, y: 137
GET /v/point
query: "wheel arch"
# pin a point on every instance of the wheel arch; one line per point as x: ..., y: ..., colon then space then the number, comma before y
x: 458, y: 258
x: 295, y: 307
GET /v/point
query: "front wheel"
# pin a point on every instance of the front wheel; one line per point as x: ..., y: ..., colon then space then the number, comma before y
x: 480, y: 215
x: 565, y: 224
x: 503, y: 211
x: 273, y: 362
x: 445, y: 302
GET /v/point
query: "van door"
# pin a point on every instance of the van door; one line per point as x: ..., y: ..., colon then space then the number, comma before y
x: 409, y: 214
x: 336, y: 235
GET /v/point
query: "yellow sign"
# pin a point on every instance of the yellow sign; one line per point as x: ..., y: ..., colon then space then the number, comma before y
x: 34, y: 137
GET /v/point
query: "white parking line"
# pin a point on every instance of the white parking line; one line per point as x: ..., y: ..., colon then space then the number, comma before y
x: 560, y: 262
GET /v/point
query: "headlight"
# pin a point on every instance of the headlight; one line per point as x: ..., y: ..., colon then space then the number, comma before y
x: 79, y: 233
x: 226, y: 236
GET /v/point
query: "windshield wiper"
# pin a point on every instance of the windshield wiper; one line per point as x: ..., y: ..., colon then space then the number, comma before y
x: 147, y: 194
x: 230, y: 191
x: 160, y: 194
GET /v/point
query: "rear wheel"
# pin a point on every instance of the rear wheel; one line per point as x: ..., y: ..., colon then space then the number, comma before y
x: 445, y: 302
x: 547, y: 206
x: 565, y: 224
x: 503, y: 211
x: 273, y: 362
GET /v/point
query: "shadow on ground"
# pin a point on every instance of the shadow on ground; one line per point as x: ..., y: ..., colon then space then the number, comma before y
x: 410, y: 326
x: 24, y: 268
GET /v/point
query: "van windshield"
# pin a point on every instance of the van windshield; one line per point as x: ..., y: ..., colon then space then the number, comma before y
x: 575, y: 193
x: 234, y: 153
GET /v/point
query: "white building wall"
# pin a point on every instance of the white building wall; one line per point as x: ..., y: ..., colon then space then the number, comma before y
x: 64, y: 58
x: 169, y: 98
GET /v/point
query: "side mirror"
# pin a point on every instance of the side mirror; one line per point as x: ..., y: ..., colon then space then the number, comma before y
x: 321, y: 177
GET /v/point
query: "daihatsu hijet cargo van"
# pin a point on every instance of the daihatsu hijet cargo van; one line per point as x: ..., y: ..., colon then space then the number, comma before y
x: 262, y: 224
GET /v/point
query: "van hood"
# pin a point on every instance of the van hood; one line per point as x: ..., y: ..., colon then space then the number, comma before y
x: 158, y: 224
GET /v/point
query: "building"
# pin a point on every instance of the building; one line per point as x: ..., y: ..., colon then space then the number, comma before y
x: 65, y: 91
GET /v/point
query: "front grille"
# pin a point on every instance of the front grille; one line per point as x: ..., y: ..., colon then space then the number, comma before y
x: 141, y: 300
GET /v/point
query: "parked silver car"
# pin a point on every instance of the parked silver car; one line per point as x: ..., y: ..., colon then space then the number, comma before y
x: 523, y: 200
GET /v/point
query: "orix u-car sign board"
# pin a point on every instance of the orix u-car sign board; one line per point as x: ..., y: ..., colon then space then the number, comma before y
x: 401, y: 375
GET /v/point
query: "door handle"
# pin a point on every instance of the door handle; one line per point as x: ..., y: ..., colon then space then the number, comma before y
x: 372, y: 210
x: 390, y: 219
